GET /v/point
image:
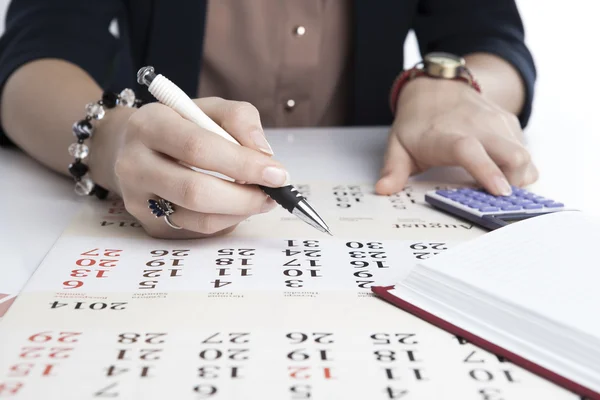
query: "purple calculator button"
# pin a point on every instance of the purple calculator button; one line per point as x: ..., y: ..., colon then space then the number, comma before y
x: 554, y: 205
x: 522, y: 202
x: 511, y: 207
x: 445, y: 193
x: 545, y: 201
x: 475, y: 204
x: 533, y: 206
x: 464, y: 191
x: 489, y: 209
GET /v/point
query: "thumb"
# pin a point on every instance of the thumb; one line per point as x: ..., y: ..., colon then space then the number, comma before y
x: 240, y: 119
x: 397, y: 167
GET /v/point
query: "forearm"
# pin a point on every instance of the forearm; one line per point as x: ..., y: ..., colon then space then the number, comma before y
x: 39, y: 105
x: 499, y: 80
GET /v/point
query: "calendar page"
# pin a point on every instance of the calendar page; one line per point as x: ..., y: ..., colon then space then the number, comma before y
x: 275, y: 310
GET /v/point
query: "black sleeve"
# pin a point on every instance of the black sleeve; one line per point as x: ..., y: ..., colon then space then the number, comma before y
x: 73, y: 30
x: 467, y: 26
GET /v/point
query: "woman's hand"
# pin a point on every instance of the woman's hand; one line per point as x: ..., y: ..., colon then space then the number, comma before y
x: 147, y: 166
x: 441, y: 122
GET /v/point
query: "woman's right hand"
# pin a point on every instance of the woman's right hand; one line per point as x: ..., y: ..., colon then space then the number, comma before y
x: 147, y: 167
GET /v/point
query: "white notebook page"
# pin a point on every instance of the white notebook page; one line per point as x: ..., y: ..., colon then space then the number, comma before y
x: 547, y: 264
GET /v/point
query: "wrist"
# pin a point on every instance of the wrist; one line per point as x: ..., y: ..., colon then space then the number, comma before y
x: 105, y: 145
x: 438, y: 65
x: 430, y: 92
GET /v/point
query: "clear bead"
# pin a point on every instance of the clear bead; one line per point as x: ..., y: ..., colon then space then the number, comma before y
x: 79, y: 150
x: 94, y: 110
x: 127, y: 98
x: 84, y: 187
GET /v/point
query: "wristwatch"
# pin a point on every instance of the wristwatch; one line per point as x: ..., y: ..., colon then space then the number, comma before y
x: 434, y: 65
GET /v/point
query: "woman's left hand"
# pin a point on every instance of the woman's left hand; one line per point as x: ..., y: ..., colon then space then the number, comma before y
x: 443, y: 122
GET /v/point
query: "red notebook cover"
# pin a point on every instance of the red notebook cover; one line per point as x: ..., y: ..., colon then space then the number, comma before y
x: 383, y: 292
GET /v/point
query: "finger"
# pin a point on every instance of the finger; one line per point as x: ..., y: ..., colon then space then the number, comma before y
x: 469, y: 153
x: 397, y: 167
x: 164, y: 131
x: 531, y: 176
x: 240, y: 119
x: 208, y: 224
x: 512, y: 158
x: 193, y: 190
x: 193, y: 224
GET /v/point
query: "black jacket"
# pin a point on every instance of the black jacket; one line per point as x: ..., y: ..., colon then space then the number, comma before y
x: 168, y: 34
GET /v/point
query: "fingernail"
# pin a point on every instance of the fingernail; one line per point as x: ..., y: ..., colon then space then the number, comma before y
x: 275, y: 176
x: 268, y: 205
x: 261, y: 142
x: 502, y: 186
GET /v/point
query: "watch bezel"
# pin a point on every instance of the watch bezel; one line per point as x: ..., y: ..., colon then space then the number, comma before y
x: 447, y: 70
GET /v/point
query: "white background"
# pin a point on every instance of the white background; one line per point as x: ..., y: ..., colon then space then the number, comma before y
x: 564, y: 132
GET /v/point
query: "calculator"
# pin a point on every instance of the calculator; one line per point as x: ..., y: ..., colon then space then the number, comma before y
x: 489, y: 211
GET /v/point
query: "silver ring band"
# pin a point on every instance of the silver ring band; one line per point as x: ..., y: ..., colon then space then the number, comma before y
x: 163, y: 208
x: 170, y: 223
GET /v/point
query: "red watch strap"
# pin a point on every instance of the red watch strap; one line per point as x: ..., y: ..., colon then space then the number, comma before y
x: 415, y: 72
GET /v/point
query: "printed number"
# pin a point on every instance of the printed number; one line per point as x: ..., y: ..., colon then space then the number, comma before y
x: 150, y: 338
x: 370, y: 245
x: 236, y: 338
x: 490, y: 394
x: 72, y: 284
x: 93, y: 306
x: 387, y: 338
x: 424, y: 246
x: 365, y: 264
x: 54, y: 352
x: 47, y: 336
x: 301, y: 355
x: 385, y: 355
x: 395, y: 393
x: 240, y: 252
x: 363, y: 254
x: 300, y: 391
x: 318, y: 337
x: 305, y: 243
x: 107, y: 253
x: 174, y: 253
x: 210, y: 372
x: 104, y: 392
x: 10, y: 389
x: 215, y: 354
x: 205, y: 391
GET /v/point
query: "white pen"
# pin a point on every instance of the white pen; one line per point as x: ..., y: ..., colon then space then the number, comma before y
x: 172, y: 96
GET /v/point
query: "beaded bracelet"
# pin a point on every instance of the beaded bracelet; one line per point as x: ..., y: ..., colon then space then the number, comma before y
x: 84, y: 186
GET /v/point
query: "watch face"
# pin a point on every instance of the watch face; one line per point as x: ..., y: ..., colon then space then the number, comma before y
x: 445, y: 60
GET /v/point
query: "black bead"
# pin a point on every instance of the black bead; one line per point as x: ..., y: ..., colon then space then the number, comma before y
x: 83, y: 129
x: 109, y: 99
x: 78, y: 169
x: 100, y: 192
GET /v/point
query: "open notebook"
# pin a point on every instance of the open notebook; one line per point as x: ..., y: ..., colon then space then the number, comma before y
x: 528, y: 291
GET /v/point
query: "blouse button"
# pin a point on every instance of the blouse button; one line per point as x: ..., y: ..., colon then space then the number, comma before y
x: 290, y: 104
x: 299, y: 30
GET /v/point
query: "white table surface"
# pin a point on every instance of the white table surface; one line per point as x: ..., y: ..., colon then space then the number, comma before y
x: 37, y: 204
